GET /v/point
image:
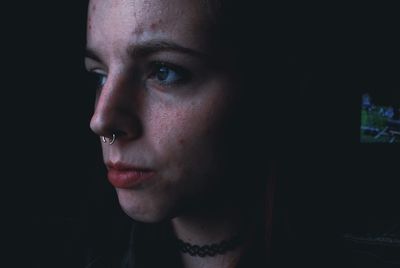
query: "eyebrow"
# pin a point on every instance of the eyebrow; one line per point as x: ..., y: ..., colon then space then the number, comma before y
x: 90, y: 53
x: 150, y: 47
x: 154, y: 46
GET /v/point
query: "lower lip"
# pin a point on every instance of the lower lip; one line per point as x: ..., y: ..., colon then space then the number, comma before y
x: 128, y: 178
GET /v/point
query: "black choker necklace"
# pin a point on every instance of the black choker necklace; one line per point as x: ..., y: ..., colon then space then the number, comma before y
x: 209, y: 250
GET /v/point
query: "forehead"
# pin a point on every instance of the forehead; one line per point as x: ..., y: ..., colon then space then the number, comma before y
x: 117, y: 22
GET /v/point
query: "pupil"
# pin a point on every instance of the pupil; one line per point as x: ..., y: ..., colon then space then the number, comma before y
x: 162, y: 73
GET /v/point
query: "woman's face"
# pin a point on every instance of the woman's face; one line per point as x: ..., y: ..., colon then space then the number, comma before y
x: 165, y: 93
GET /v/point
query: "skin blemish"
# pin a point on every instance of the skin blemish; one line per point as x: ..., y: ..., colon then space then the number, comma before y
x: 153, y: 26
x: 138, y: 30
x: 89, y: 23
x: 115, y: 3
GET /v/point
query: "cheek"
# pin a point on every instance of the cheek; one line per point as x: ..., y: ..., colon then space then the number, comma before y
x: 173, y: 129
x: 188, y: 133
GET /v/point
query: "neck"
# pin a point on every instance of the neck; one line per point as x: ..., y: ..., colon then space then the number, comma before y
x: 211, y: 227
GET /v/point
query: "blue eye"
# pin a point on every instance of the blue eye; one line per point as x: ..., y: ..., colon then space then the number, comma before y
x: 168, y: 74
x: 101, y: 80
x: 97, y: 80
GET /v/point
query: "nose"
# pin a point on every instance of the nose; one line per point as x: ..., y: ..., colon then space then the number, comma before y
x: 116, y: 111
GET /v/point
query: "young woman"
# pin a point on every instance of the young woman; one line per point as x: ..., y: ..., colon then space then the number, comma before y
x: 185, y: 114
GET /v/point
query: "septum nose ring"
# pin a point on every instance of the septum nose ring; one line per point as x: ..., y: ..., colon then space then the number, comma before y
x: 110, y: 141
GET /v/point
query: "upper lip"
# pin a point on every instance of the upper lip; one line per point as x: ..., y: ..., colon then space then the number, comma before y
x: 126, y: 167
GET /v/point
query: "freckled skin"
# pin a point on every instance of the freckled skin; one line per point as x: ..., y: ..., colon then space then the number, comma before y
x: 176, y: 132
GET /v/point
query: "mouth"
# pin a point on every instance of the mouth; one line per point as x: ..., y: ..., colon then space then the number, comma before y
x: 127, y: 176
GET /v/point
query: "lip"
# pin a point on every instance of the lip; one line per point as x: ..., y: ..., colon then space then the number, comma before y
x: 126, y: 176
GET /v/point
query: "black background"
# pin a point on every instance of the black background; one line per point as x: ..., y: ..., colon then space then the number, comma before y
x: 51, y: 173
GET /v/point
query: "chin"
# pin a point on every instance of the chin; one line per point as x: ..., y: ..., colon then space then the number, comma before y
x: 143, y: 208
